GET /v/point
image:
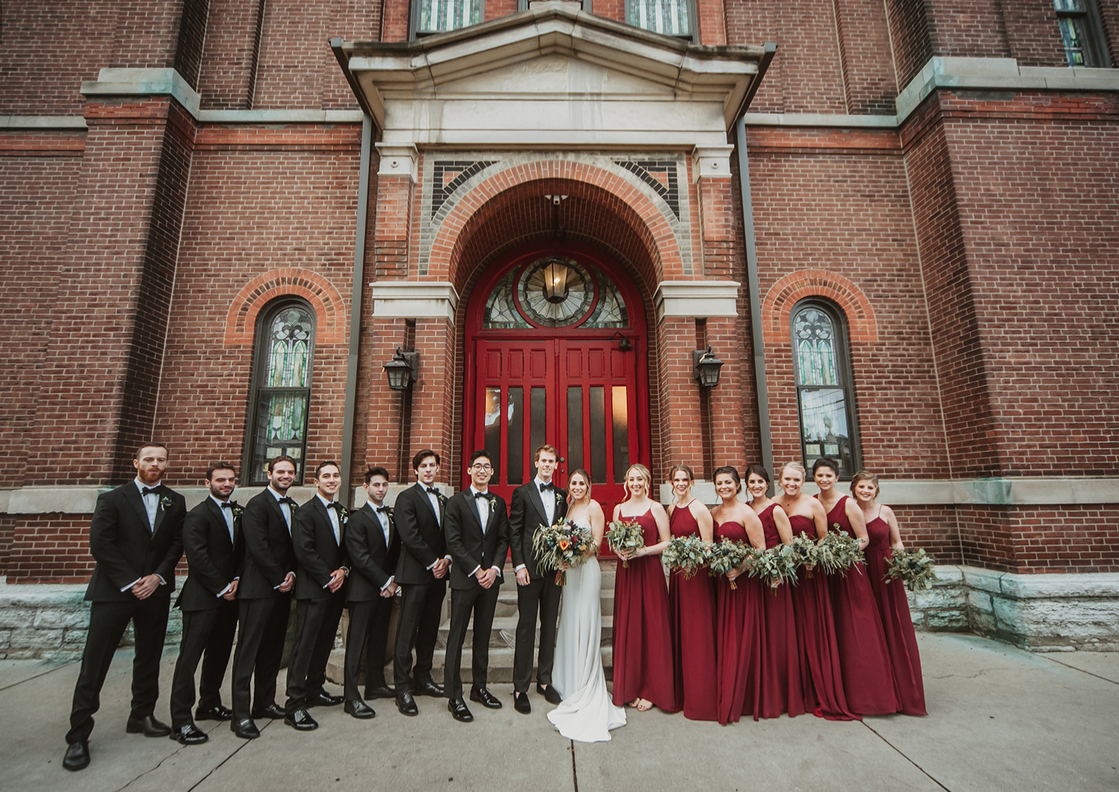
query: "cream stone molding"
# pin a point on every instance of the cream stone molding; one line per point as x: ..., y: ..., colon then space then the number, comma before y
x: 697, y: 299
x: 286, y: 116
x: 397, y: 160
x: 414, y: 300
x: 711, y: 162
x: 144, y: 82
x: 42, y: 122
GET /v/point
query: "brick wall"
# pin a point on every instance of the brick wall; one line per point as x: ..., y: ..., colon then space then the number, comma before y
x: 51, y: 548
x: 227, y: 79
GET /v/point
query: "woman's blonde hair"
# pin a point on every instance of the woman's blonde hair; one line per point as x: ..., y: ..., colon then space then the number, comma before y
x: 645, y: 474
x: 865, y: 475
x: 795, y: 466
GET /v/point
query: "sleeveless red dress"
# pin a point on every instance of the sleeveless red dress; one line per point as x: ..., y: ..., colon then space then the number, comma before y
x: 642, y: 632
x: 738, y: 638
x: 816, y: 634
x: 691, y: 607
x: 781, y: 688
x: 868, y: 676
x: 893, y: 607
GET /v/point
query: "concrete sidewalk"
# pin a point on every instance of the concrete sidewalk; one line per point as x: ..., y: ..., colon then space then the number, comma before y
x: 1000, y: 719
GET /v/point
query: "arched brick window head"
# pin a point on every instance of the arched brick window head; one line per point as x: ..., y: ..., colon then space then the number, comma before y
x: 825, y: 396
x: 281, y: 393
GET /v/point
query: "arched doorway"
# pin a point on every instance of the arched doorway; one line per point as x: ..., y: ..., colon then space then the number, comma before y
x: 555, y: 348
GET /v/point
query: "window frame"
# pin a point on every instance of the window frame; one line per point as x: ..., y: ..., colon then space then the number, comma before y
x: 693, y: 21
x: 845, y: 382
x: 1094, y: 51
x: 261, y: 344
x: 415, y: 33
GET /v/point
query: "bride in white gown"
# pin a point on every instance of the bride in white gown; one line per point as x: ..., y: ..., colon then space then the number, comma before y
x: 587, y: 714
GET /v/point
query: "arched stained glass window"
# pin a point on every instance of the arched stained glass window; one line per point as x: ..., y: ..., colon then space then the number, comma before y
x: 825, y: 398
x: 285, y: 342
x: 555, y: 291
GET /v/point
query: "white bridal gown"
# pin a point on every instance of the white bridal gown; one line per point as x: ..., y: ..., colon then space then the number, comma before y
x: 587, y: 714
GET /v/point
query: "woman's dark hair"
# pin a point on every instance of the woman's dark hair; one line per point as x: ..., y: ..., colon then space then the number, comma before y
x: 823, y: 462
x: 758, y: 470
x: 730, y: 471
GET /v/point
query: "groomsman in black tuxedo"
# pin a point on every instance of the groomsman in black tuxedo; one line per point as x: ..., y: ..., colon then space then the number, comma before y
x: 136, y: 538
x: 373, y: 549
x: 215, y: 552
x: 317, y: 533
x: 421, y: 574
x: 539, y: 503
x: 264, y: 598
x: 477, y: 528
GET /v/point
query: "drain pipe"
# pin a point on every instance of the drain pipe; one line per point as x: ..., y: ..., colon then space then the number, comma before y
x: 765, y: 433
x: 355, y: 311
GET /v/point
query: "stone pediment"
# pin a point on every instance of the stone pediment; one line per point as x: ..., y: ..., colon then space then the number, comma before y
x: 551, y: 76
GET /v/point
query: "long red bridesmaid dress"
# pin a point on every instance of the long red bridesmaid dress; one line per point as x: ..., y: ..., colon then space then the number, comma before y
x: 691, y: 607
x: 893, y: 607
x: 781, y: 687
x: 816, y: 633
x: 868, y: 676
x: 642, y: 632
x: 738, y: 638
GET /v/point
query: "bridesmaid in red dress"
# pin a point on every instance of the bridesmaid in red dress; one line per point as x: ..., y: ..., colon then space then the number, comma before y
x: 893, y: 605
x: 691, y: 607
x: 739, y: 611
x: 868, y: 676
x: 643, y: 675
x: 816, y: 632
x: 781, y: 689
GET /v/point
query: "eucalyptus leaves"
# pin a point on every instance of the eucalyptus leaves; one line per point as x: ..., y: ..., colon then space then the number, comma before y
x: 914, y: 568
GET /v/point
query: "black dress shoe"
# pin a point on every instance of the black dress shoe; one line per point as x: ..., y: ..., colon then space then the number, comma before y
x: 77, y: 756
x: 520, y: 702
x: 429, y: 688
x: 358, y: 708
x: 458, y: 710
x: 148, y: 726
x: 485, y: 698
x: 272, y: 711
x: 245, y: 729
x: 324, y: 700
x: 218, y: 713
x: 189, y: 735
x: 301, y: 720
x: 406, y: 704
x: 550, y: 694
x: 382, y: 691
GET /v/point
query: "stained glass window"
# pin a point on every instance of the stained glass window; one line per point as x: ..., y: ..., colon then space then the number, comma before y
x: 285, y: 346
x: 670, y: 17
x: 438, y: 16
x: 555, y: 291
x: 823, y: 386
x: 1079, y: 24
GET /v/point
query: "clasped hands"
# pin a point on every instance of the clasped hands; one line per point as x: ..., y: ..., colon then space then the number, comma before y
x: 486, y: 577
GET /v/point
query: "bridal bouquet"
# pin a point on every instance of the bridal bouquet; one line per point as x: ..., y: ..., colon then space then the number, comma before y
x: 625, y: 535
x: 725, y: 555
x: 839, y: 552
x: 914, y: 568
x: 685, y: 554
x: 775, y: 566
x: 562, y: 545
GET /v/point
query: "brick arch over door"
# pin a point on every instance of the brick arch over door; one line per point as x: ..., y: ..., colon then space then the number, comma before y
x: 862, y: 326
x: 509, y: 209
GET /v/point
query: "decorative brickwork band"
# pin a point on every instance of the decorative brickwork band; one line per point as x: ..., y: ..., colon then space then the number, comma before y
x: 330, y: 313
x: 778, y: 304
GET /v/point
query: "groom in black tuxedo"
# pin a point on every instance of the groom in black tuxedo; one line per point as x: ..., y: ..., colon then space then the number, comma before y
x: 212, y: 537
x: 136, y: 538
x: 477, y: 528
x: 539, y: 503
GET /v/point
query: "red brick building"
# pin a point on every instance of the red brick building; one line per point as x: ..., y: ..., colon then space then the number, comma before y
x: 896, y: 228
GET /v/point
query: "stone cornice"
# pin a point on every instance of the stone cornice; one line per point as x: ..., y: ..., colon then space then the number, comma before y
x: 414, y: 299
x: 144, y: 82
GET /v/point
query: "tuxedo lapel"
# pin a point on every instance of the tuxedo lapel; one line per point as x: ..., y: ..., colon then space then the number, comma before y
x: 324, y: 512
x: 136, y: 500
x: 537, y: 499
x: 217, y: 514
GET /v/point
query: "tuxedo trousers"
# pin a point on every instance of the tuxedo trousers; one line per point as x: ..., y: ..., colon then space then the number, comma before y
x: 541, y: 597
x: 262, y: 628
x: 316, y: 625
x: 421, y: 610
x: 481, y: 603
x: 369, y: 627
x: 107, y: 623
x: 207, y: 637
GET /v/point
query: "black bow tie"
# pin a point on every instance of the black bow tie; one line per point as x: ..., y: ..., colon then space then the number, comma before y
x: 149, y: 491
x: 288, y: 501
x: 336, y: 506
x: 382, y: 509
x: 229, y: 505
x: 548, y: 486
x: 485, y: 495
x: 432, y: 491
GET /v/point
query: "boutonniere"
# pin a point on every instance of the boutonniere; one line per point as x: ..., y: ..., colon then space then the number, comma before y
x: 559, y: 498
x: 237, y: 511
x: 493, y: 503
x: 164, y: 503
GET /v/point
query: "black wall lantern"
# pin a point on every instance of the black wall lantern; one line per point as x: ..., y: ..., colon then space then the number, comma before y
x: 705, y: 367
x: 401, y: 370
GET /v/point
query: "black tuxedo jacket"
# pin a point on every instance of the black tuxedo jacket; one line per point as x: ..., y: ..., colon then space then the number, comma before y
x: 268, y: 550
x: 214, y: 559
x: 316, y: 552
x: 470, y: 548
x: 422, y: 540
x: 526, y: 515
x: 371, y: 561
x: 126, y: 547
